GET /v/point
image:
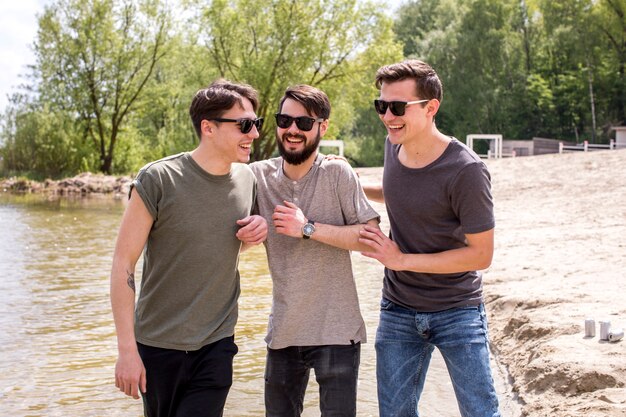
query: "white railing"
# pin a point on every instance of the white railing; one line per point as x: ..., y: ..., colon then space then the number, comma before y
x: 333, y: 143
x: 503, y: 154
x: 497, y: 153
x: 586, y: 147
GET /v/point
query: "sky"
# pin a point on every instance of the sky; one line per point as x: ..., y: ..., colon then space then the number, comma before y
x: 18, y: 28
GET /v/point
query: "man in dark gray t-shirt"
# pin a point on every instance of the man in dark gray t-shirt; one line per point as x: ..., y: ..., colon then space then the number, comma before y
x: 438, y: 198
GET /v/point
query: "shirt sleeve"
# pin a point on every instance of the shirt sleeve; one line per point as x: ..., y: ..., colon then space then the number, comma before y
x: 471, y: 198
x: 149, y: 189
x: 355, y: 206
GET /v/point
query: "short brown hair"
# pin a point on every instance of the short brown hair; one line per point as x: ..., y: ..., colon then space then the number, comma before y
x: 219, y: 97
x: 314, y: 100
x: 426, y: 79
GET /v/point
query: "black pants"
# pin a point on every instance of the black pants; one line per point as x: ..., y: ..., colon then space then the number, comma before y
x: 287, y: 375
x: 188, y: 384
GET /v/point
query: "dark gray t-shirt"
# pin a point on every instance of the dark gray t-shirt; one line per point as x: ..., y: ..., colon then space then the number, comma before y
x: 190, y: 282
x: 430, y: 210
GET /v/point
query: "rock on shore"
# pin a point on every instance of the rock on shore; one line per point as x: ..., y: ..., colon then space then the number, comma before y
x: 82, y: 184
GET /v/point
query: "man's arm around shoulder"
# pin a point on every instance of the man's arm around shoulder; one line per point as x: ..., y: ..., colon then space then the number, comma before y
x: 374, y: 192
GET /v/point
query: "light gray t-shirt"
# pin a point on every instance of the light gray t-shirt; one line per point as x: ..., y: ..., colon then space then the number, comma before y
x: 430, y: 210
x: 314, y: 294
x: 190, y: 282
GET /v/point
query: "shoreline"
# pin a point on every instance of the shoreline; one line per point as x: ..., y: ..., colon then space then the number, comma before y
x: 83, y: 184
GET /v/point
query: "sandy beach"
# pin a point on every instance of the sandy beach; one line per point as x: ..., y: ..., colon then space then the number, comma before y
x: 560, y: 258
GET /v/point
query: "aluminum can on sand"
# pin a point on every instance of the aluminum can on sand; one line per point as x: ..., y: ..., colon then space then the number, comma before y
x: 615, y: 335
x: 590, y: 328
x: 605, y: 327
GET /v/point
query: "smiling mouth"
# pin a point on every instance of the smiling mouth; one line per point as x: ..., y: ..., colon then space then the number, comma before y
x: 395, y: 127
x: 246, y: 146
x: 292, y: 139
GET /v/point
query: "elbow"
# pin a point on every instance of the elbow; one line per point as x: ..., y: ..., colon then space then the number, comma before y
x: 484, y: 265
x: 374, y: 193
x: 480, y: 257
x: 483, y: 260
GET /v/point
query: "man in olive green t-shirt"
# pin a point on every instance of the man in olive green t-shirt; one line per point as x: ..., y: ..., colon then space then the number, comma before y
x: 191, y: 212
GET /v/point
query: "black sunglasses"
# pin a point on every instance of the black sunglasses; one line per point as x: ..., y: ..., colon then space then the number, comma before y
x: 245, y: 125
x: 304, y: 123
x: 397, y: 107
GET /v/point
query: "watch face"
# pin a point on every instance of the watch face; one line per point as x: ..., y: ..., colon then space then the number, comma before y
x: 308, y: 229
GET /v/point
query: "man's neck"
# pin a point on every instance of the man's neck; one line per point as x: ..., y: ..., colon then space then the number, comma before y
x: 209, y: 161
x: 424, y: 149
x: 296, y: 172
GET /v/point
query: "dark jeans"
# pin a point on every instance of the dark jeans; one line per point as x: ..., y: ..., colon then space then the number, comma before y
x: 287, y: 375
x: 188, y: 384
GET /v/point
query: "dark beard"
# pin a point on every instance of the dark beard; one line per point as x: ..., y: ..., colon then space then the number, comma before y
x: 297, y: 158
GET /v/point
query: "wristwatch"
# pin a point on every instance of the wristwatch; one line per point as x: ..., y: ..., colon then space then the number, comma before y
x: 308, y: 229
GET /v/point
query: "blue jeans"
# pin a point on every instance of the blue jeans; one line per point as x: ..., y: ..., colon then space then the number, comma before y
x: 287, y: 375
x: 405, y: 341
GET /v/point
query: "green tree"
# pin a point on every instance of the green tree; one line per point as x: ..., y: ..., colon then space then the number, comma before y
x: 41, y: 142
x: 611, y: 20
x: 476, y: 52
x: 365, y: 135
x: 93, y: 61
x: 277, y: 43
x: 523, y: 68
x: 162, y: 117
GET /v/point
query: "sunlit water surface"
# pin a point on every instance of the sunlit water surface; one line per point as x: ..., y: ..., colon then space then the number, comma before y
x: 58, y: 346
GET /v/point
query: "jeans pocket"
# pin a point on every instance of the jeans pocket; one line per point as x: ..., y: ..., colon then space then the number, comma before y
x: 385, y: 304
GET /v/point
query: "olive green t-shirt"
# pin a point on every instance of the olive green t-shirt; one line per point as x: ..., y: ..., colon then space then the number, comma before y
x: 190, y: 281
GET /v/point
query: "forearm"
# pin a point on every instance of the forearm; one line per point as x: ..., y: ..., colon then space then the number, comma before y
x: 447, y: 262
x: 342, y: 237
x: 374, y: 192
x: 123, y: 305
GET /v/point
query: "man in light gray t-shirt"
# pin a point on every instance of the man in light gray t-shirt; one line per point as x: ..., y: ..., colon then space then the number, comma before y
x: 315, y: 208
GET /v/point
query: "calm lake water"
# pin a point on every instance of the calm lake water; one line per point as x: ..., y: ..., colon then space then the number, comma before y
x: 58, y: 346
